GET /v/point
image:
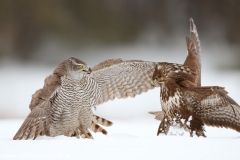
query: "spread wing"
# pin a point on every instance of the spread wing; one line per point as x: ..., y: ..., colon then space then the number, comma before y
x: 35, y: 124
x: 51, y: 83
x: 193, y: 60
x: 217, y: 108
x: 121, y: 79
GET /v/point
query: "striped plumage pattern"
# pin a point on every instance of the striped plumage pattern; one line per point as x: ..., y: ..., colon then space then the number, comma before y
x: 64, y: 105
x: 99, y: 120
x: 121, y: 79
x: 51, y: 83
x: 72, y: 103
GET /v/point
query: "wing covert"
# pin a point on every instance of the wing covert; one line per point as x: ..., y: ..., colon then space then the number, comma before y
x: 35, y: 124
x: 51, y: 83
x: 218, y: 109
x: 121, y: 79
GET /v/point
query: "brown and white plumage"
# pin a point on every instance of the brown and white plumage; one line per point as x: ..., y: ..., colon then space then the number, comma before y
x: 192, y: 61
x: 193, y: 107
x: 64, y: 105
x: 213, y: 107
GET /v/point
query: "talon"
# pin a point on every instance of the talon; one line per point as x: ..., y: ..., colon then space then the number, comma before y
x: 88, y: 135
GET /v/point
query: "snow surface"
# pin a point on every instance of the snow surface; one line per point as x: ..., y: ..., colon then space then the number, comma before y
x: 128, y: 139
x: 133, y: 134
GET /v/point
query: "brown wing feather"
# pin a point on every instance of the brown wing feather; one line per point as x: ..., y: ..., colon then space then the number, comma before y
x: 35, y: 124
x: 51, y: 83
x: 216, y: 108
x: 96, y: 128
x: 107, y: 63
x: 124, y: 79
x: 102, y: 121
x: 193, y: 60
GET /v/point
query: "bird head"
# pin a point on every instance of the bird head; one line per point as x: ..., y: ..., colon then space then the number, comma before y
x: 159, y: 76
x: 79, y: 66
x: 72, y: 66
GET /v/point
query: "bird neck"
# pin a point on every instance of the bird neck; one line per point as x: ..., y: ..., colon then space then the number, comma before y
x: 168, y: 90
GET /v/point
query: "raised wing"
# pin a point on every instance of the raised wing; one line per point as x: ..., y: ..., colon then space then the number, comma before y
x: 217, y: 108
x: 181, y: 74
x: 121, y: 79
x: 51, y: 83
x: 35, y: 124
x: 193, y: 60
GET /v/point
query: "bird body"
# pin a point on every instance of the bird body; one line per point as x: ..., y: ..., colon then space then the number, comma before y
x: 68, y: 111
x: 193, y: 107
x: 64, y: 105
x: 192, y: 61
x: 72, y: 106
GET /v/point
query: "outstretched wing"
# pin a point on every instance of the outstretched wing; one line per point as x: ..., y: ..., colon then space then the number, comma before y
x: 121, y: 79
x: 35, y: 124
x: 217, y: 108
x: 51, y: 83
x: 193, y: 60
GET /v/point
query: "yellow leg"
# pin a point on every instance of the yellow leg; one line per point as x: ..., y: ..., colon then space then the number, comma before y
x: 88, y: 135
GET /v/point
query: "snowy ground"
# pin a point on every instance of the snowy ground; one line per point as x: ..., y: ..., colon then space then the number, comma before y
x: 128, y: 139
x: 133, y: 134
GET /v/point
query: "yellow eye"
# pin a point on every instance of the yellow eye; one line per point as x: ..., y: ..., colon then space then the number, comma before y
x: 80, y: 66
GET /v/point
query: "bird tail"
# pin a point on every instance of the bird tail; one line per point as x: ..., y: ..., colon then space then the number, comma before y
x: 102, y: 121
x: 96, y: 128
x: 158, y: 115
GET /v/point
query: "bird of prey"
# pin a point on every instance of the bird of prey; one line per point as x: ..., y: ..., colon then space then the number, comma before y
x: 193, y: 61
x: 64, y: 105
x: 42, y: 95
x: 193, y: 106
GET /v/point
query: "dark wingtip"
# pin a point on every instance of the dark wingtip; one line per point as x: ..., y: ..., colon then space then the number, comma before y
x: 110, y: 123
x: 104, y: 132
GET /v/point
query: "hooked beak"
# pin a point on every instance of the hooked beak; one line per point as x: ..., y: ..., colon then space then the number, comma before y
x: 153, y: 83
x: 88, y: 70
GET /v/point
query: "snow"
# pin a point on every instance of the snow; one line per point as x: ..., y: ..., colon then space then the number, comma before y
x: 133, y: 134
x: 128, y: 139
